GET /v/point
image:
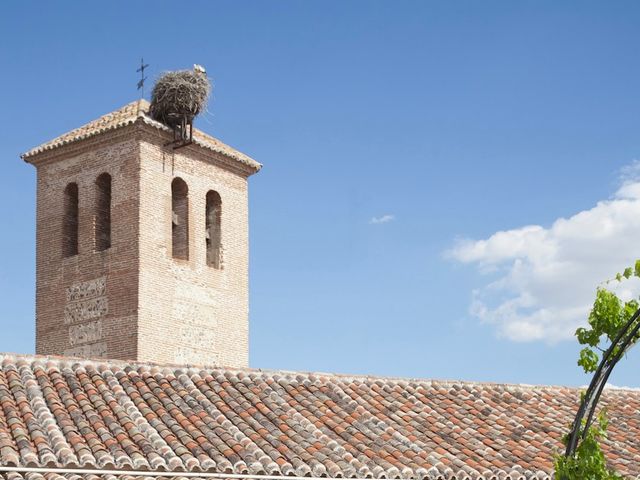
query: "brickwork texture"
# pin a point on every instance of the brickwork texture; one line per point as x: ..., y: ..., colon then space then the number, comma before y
x: 125, y: 294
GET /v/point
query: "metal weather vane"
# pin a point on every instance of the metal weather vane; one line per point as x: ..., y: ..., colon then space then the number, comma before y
x: 142, y: 77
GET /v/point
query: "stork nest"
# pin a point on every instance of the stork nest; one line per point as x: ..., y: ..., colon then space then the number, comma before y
x: 179, y: 94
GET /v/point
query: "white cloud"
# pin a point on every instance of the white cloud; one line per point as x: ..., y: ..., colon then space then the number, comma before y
x: 382, y: 219
x: 542, y: 281
x: 611, y: 386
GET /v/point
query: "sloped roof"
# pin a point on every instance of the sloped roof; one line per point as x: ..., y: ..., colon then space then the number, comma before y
x: 59, y: 412
x: 127, y: 115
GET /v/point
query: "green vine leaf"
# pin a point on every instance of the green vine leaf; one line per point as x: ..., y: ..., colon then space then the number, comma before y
x: 588, y: 360
x: 636, y: 269
x: 589, y: 462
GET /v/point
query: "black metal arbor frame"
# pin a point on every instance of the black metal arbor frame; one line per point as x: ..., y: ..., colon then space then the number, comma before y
x: 621, y: 344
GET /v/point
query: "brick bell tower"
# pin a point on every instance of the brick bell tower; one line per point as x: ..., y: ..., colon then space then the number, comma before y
x: 142, y: 248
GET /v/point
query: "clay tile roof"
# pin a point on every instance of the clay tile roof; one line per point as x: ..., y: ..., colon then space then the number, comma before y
x: 67, y: 413
x: 127, y: 115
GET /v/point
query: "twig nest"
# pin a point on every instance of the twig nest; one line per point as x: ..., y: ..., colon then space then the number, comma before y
x: 179, y: 94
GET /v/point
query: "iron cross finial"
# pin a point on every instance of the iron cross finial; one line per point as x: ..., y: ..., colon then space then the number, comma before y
x: 142, y: 77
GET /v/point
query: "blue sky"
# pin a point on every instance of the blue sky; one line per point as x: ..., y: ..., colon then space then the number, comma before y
x: 398, y: 139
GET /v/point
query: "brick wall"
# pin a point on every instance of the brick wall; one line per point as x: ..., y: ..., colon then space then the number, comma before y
x: 191, y: 312
x: 87, y: 303
x: 134, y: 300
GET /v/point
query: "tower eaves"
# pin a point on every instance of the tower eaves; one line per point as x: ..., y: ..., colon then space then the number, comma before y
x: 129, y: 114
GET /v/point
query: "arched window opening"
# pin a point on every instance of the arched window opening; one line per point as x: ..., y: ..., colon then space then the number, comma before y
x: 103, y: 213
x: 70, y: 221
x: 180, y: 219
x: 213, y: 229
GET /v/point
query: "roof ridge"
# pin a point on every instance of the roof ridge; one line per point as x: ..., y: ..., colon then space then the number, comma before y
x: 345, y: 376
x: 127, y: 115
x: 73, y: 131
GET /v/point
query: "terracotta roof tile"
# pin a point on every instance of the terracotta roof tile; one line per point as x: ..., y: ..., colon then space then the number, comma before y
x: 69, y: 413
x: 131, y: 113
